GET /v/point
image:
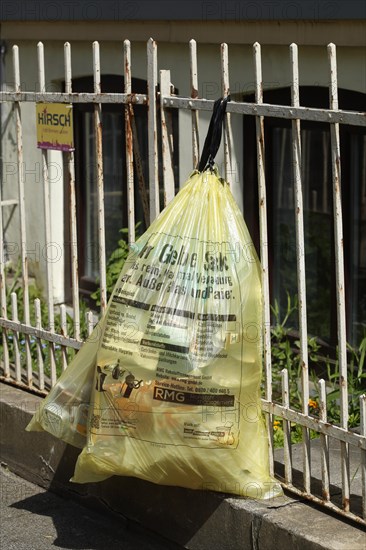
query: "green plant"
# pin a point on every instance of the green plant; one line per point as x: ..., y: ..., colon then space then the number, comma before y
x: 38, y: 347
x: 286, y: 354
x: 41, y: 347
x: 318, y: 262
x: 356, y: 384
x: 115, y: 263
x: 296, y: 433
x: 285, y: 347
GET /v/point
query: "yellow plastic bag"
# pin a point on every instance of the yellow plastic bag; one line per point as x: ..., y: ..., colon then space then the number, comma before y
x: 167, y: 388
x: 176, y: 395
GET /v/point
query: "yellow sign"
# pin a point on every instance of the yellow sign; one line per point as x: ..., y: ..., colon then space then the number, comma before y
x: 54, y: 126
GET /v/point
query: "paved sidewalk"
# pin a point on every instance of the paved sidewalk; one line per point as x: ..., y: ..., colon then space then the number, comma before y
x: 34, y: 519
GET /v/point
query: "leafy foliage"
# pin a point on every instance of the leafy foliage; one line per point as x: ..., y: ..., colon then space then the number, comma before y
x: 39, y: 348
x: 284, y: 343
x: 286, y: 355
x: 115, y: 263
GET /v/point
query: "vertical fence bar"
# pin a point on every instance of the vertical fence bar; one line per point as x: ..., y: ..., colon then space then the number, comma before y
x: 363, y: 452
x: 38, y: 316
x: 90, y: 322
x: 167, y: 139
x: 129, y: 144
x: 72, y: 198
x: 339, y: 267
x: 194, y: 95
x: 287, y: 455
x: 263, y: 242
x: 14, y: 316
x: 23, y: 236
x: 47, y: 221
x: 300, y: 259
x: 324, y: 450
x: 152, y: 82
x: 4, y: 312
x: 63, y: 319
x: 139, y: 168
x: 225, y: 89
x: 100, y: 186
x: 3, y: 298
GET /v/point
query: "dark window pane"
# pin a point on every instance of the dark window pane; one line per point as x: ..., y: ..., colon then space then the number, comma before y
x: 318, y: 227
x: 114, y: 173
x: 357, y: 313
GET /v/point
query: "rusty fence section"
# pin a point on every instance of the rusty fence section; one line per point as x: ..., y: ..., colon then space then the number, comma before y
x: 27, y: 369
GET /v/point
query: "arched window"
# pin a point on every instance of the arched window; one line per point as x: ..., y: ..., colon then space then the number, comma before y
x: 114, y: 173
x: 316, y: 173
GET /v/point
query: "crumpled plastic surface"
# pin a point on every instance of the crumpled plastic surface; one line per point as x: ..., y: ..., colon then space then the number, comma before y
x: 175, y: 398
x: 64, y: 412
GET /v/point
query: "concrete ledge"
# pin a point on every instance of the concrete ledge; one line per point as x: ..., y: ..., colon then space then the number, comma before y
x: 196, y: 520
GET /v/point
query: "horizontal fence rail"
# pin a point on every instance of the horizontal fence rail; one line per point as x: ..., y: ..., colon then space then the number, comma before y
x: 35, y: 352
x: 276, y: 111
x: 73, y: 97
x: 352, y: 118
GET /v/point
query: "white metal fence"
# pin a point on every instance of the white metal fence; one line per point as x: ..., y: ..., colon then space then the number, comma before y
x: 23, y: 359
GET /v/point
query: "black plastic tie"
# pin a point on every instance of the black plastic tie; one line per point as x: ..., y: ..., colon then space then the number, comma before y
x: 213, y: 138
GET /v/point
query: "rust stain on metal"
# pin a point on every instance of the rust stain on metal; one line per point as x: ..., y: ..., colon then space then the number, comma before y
x: 326, y: 503
x: 25, y: 282
x: 194, y: 93
x: 345, y: 503
x: 13, y: 382
x: 261, y: 90
x: 262, y: 202
x: 137, y: 98
x: 127, y: 69
x: 139, y: 168
x: 102, y: 303
x: 129, y: 130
